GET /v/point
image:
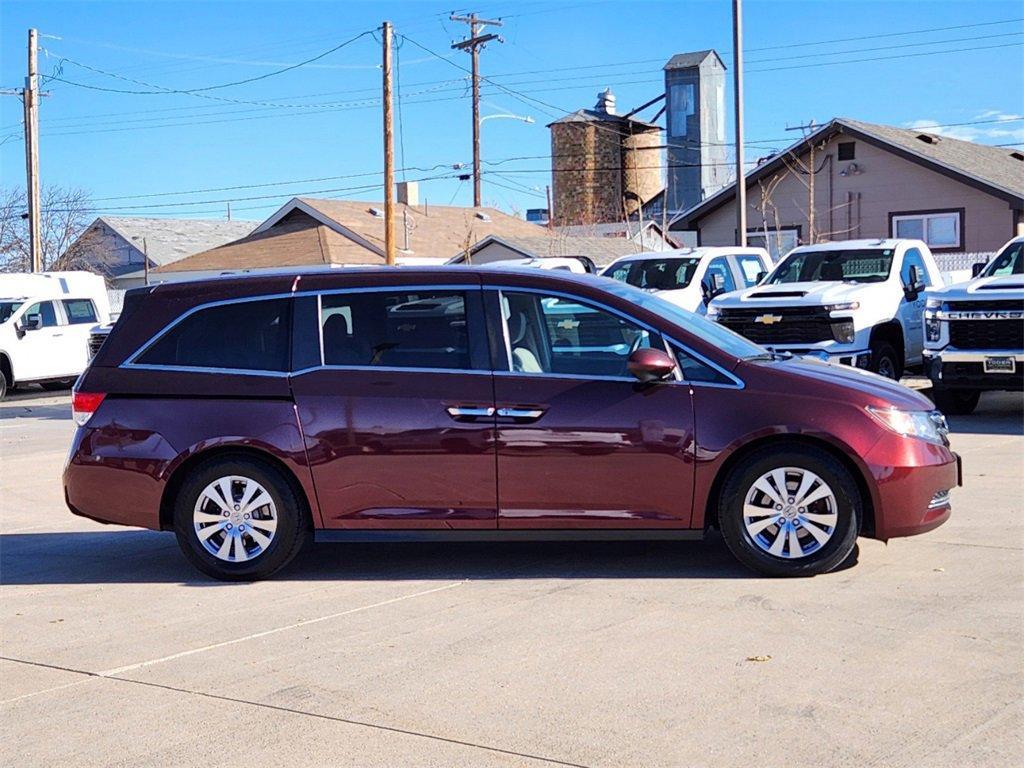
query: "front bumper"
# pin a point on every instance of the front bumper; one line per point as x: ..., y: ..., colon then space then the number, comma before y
x: 965, y: 369
x: 912, y: 483
x: 858, y: 358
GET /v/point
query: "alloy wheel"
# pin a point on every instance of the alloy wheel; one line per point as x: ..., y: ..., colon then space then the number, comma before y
x: 790, y: 512
x: 235, y: 519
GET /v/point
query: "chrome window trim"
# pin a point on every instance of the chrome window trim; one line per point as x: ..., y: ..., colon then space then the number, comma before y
x: 197, y: 369
x: 738, y: 383
x: 390, y: 369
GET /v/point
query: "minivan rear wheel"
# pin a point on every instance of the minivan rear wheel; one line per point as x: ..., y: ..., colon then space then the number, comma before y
x: 239, y: 519
x: 793, y: 511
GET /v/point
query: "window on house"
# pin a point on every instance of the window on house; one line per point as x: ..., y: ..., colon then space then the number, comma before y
x: 939, y: 229
x: 244, y: 335
x: 778, y: 242
x: 847, y: 150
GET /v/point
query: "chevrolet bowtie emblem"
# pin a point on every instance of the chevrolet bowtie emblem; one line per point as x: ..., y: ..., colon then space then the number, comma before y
x: 768, y: 319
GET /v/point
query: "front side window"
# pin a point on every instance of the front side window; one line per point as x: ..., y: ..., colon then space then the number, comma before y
x: 1009, y: 262
x: 867, y: 265
x: 555, y: 335
x: 45, y: 310
x: 656, y: 274
x: 719, y: 276
x: 243, y: 335
x: 399, y: 329
x: 938, y: 230
x: 912, y: 258
x: 79, y: 311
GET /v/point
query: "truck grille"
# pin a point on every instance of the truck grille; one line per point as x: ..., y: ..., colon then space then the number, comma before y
x: 95, y: 342
x: 987, y: 334
x: 1012, y: 305
x: 792, y: 325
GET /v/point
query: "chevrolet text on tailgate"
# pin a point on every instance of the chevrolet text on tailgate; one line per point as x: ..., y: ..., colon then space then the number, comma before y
x: 858, y: 302
x: 249, y: 414
x: 974, y: 333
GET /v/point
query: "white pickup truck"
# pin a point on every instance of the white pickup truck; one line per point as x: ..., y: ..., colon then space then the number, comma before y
x: 857, y: 302
x: 691, y: 277
x: 974, y: 333
x: 45, y: 320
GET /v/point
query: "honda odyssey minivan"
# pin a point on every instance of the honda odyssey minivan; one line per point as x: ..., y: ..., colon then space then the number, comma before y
x: 248, y: 414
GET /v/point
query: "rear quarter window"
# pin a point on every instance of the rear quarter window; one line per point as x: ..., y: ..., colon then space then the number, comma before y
x: 245, y: 335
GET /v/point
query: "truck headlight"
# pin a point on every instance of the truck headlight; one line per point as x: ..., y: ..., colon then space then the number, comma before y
x: 932, y: 328
x: 926, y: 425
x: 713, y: 314
x: 844, y: 306
x: 933, y: 304
x: 843, y: 331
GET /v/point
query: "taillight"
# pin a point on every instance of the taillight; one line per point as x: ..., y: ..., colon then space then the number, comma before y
x: 84, y: 405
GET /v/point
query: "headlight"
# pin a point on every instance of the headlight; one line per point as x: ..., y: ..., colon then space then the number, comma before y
x: 933, y: 304
x: 926, y: 425
x: 840, y: 307
x: 932, y: 328
x: 713, y: 313
x: 843, y: 331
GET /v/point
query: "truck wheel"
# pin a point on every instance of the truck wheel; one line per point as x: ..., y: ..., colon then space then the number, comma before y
x: 956, y: 402
x: 238, y: 519
x: 884, y: 360
x: 3, y: 385
x: 793, y: 511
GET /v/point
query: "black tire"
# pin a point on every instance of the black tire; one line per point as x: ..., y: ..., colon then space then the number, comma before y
x: 740, y: 482
x: 3, y: 385
x: 885, y: 361
x: 293, y: 525
x: 59, y: 384
x: 956, y: 402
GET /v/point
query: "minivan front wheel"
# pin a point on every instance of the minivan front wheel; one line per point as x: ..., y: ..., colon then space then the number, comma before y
x: 238, y: 519
x: 790, y: 512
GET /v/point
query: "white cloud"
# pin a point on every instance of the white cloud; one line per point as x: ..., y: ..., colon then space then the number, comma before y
x: 992, y: 126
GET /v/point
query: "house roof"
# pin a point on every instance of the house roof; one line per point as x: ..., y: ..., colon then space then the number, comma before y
x: 602, y: 250
x: 307, y: 231
x: 991, y: 169
x: 598, y: 116
x: 169, y: 240
x: 694, y: 59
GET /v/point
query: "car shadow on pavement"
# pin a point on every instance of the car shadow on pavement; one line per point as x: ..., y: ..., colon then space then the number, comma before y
x: 131, y: 556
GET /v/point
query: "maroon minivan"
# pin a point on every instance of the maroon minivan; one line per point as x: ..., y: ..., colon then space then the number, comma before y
x: 248, y: 414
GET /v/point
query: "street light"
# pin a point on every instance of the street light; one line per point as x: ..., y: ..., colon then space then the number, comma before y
x: 508, y: 116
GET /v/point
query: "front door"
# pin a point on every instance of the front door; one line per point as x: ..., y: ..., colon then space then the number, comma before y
x: 912, y: 309
x: 41, y: 352
x: 581, y: 443
x: 398, y: 411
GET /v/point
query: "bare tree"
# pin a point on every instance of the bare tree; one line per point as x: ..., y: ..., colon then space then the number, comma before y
x: 65, y: 244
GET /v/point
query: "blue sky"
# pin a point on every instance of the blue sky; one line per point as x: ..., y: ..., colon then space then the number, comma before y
x: 317, y: 130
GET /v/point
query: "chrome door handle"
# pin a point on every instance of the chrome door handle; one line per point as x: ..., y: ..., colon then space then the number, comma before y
x: 525, y: 414
x: 461, y: 412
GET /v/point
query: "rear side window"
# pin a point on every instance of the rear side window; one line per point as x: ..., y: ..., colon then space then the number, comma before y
x: 751, y: 267
x: 245, y: 336
x: 79, y: 311
x: 399, y: 329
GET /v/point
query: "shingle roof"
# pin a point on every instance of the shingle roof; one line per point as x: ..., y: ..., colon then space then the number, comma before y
x: 169, y: 240
x: 992, y: 169
x: 603, y: 250
x: 312, y: 231
x: 694, y: 59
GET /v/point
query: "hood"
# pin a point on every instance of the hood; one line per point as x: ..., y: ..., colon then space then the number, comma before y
x: 983, y: 288
x: 852, y: 384
x: 809, y: 294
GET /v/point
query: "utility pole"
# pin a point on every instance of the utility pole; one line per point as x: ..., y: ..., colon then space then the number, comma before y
x: 389, y: 154
x: 737, y: 76
x: 30, y: 99
x: 473, y: 44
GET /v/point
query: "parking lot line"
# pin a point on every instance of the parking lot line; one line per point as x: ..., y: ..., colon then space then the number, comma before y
x: 274, y: 631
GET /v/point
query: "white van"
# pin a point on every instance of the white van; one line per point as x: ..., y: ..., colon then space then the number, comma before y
x: 691, y: 277
x: 45, y: 320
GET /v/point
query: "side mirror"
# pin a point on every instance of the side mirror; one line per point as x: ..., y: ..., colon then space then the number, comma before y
x: 650, y: 364
x: 759, y: 277
x: 32, y: 322
x: 914, y: 284
x: 708, y: 290
x: 977, y: 268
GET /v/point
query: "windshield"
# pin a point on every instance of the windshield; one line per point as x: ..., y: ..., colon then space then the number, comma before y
x: 8, y: 308
x: 655, y: 274
x: 867, y: 265
x: 1009, y: 262
x: 718, y: 335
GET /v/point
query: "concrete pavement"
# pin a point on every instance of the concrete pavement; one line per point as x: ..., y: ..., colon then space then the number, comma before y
x: 115, y: 652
